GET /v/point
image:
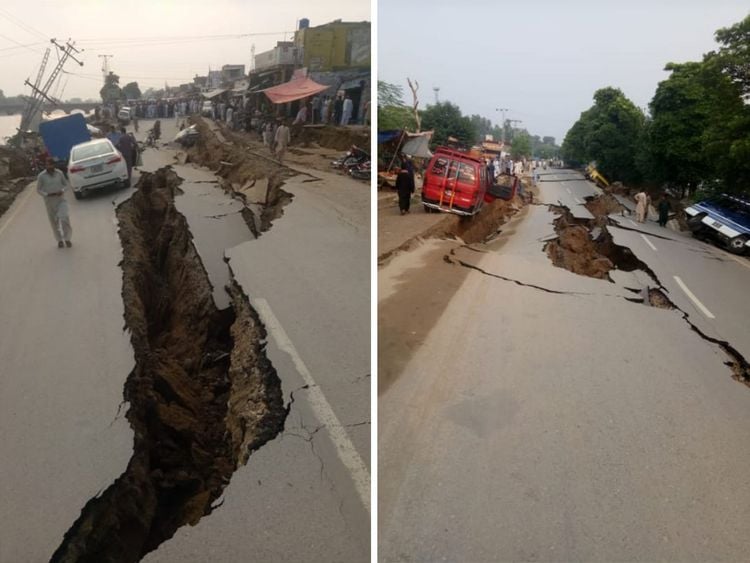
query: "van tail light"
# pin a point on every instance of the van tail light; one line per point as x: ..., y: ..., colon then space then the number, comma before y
x: 114, y: 159
x: 75, y: 169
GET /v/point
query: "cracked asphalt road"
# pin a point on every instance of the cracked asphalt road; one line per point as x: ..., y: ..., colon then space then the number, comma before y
x: 64, y: 359
x: 575, y: 426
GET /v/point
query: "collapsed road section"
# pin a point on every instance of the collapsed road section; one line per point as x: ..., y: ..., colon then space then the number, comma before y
x: 202, y: 396
x: 586, y: 247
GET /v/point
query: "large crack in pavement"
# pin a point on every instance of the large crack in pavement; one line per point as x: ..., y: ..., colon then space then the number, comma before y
x: 585, y: 247
x: 203, y: 395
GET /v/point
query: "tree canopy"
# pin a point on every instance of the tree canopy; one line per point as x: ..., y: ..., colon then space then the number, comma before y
x: 131, y: 91
x: 446, y: 120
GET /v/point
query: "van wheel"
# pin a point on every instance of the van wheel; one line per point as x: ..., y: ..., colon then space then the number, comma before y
x: 737, y: 244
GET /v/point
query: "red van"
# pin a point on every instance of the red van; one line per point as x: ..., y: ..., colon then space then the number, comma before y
x: 454, y: 182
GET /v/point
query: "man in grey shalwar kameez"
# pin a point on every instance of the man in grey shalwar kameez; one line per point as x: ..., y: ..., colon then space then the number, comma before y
x: 51, y: 185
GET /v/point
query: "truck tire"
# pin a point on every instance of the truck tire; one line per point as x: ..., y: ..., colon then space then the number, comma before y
x: 696, y: 223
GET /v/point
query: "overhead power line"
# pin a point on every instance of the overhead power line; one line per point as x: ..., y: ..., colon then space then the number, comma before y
x: 13, y: 19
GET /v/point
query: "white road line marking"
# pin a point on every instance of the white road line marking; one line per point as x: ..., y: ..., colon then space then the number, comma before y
x: 693, y: 298
x: 648, y: 242
x: 344, y: 447
x: 578, y: 200
x: 16, y: 210
x: 633, y: 223
x: 568, y: 190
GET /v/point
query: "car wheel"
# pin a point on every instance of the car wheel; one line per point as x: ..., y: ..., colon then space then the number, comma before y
x: 737, y: 244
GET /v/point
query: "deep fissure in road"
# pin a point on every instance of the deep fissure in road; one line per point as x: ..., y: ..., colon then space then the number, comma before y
x: 203, y: 395
x: 585, y: 247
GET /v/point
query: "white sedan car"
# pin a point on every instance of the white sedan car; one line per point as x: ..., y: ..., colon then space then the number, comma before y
x: 94, y: 165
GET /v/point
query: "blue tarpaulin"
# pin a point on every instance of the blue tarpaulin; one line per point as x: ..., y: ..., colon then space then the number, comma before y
x: 61, y: 135
x: 386, y: 136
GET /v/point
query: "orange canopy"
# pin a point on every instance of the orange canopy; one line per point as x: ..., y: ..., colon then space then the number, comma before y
x: 295, y: 89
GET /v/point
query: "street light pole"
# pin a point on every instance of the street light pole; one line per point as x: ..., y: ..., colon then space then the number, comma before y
x: 503, y: 110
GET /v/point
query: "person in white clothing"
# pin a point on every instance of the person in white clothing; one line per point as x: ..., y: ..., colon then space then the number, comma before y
x: 283, y: 138
x: 51, y: 185
x: 347, y: 110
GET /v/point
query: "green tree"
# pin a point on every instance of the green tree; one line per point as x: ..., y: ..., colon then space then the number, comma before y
x: 609, y: 133
x: 392, y: 112
x: 131, y: 91
x: 521, y: 147
x: 111, y: 90
x: 446, y: 120
x: 734, y: 53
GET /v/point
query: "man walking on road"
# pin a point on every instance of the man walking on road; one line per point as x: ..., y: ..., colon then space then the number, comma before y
x: 51, y: 185
x: 405, y: 187
x: 347, y: 106
x: 664, y: 208
x: 641, y: 206
x: 283, y: 138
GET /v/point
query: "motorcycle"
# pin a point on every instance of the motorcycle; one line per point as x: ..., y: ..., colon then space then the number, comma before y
x: 353, y: 157
x: 361, y: 171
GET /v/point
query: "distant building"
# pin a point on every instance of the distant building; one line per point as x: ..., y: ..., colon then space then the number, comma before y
x: 230, y: 73
x: 214, y: 79
x: 285, y: 53
x: 334, y: 46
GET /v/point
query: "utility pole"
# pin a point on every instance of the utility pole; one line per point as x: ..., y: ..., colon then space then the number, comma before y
x: 39, y: 95
x: 436, y: 89
x: 503, y: 110
x: 105, y: 66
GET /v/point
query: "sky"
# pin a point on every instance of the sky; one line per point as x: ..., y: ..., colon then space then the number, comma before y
x: 152, y: 41
x: 542, y: 59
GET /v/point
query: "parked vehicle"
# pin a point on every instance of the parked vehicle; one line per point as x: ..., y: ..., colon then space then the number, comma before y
x: 124, y: 115
x: 594, y: 175
x: 207, y: 109
x: 95, y: 165
x: 454, y: 182
x: 361, y: 171
x: 725, y: 217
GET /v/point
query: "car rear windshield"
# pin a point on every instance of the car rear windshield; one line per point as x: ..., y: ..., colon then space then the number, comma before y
x: 97, y: 149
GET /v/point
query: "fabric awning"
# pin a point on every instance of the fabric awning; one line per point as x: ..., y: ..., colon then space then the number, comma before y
x: 213, y: 93
x: 295, y: 89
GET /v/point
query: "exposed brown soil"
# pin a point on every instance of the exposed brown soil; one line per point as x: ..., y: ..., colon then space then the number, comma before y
x: 202, y: 394
x: 479, y: 228
x: 241, y: 169
x: 15, y: 174
x: 339, y: 138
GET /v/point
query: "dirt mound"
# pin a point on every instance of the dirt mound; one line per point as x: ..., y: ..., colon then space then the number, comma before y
x: 603, y: 205
x: 339, y: 138
x: 202, y: 394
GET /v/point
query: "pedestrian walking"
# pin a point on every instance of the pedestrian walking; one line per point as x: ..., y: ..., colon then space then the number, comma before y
x: 664, y: 208
x: 325, y: 110
x: 127, y: 147
x: 347, y: 108
x: 315, y: 105
x: 283, y: 138
x: 51, y: 185
x: 405, y: 187
x: 641, y: 206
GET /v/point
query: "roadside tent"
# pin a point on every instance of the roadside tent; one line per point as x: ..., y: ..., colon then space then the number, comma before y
x: 295, y: 89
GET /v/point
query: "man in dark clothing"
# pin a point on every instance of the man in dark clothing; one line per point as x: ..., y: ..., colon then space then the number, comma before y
x: 127, y: 148
x: 405, y: 187
x: 338, y: 108
x: 664, y: 208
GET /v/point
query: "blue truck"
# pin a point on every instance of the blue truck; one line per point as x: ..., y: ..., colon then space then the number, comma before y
x: 725, y: 217
x: 62, y: 134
